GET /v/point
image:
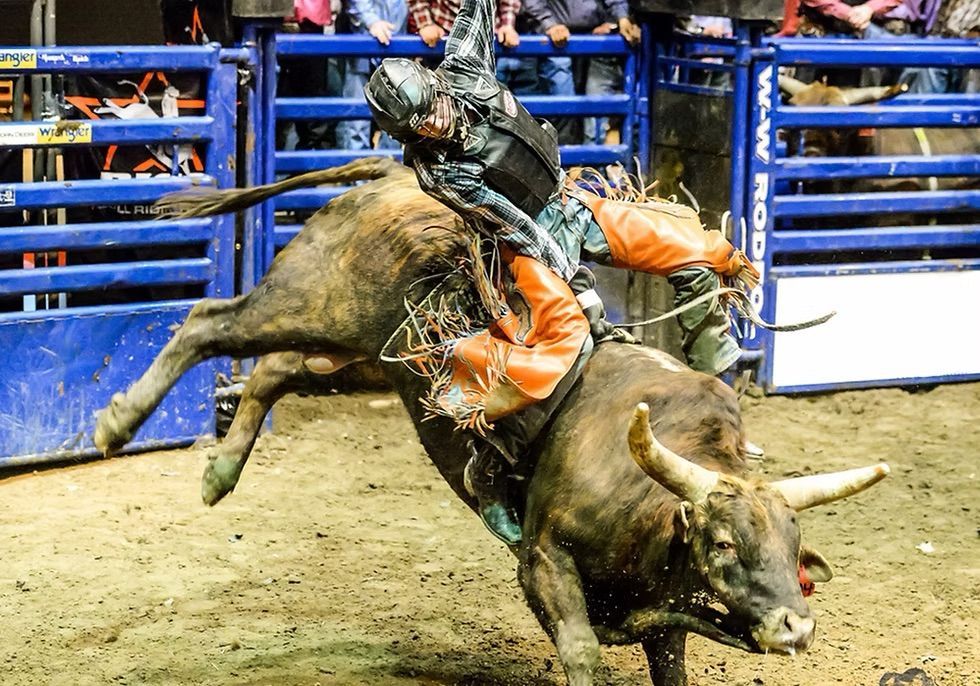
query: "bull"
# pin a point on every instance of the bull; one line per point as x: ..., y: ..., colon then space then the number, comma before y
x: 641, y: 522
x: 896, y: 142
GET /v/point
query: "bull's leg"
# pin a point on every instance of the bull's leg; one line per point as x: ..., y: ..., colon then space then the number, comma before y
x: 665, y: 656
x: 274, y: 376
x: 239, y: 327
x: 553, y: 589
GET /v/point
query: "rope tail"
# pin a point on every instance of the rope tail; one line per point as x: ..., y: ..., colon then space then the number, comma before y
x: 207, y: 202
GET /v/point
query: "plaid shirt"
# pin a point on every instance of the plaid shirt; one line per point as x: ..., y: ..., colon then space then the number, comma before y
x: 443, y: 12
x: 459, y: 183
x: 460, y: 186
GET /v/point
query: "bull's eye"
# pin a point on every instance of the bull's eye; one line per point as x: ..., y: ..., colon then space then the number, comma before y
x: 724, y: 546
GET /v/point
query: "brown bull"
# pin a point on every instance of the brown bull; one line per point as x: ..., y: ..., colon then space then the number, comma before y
x: 894, y: 142
x: 625, y: 541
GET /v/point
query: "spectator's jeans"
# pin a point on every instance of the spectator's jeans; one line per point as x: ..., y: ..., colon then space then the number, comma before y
x: 356, y: 134
x: 312, y: 77
x: 923, y: 80
x: 519, y: 74
x: 932, y: 80
x: 556, y: 76
x: 855, y: 77
x: 920, y: 79
x: 605, y: 77
x: 557, y: 79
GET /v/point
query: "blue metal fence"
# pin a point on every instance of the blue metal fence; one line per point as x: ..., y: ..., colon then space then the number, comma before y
x: 60, y: 365
x: 805, y: 240
x: 631, y: 106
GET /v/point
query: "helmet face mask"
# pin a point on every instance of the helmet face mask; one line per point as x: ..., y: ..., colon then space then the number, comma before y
x: 440, y: 124
x: 400, y: 94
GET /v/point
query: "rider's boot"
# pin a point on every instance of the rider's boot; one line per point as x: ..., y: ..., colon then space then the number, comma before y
x: 486, y: 479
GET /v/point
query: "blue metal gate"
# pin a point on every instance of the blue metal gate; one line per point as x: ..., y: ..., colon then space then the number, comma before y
x: 74, y: 333
x: 630, y: 105
x: 898, y: 286
x: 75, y: 330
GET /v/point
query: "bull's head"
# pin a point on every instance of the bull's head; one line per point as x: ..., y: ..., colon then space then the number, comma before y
x: 744, y: 538
x: 832, y: 141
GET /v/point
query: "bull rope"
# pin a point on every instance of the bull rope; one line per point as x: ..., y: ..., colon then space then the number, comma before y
x: 742, y: 305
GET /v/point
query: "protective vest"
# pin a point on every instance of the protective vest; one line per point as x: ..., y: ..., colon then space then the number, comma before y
x: 518, y: 152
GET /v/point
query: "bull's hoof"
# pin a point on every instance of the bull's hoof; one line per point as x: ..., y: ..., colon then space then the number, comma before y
x: 219, y: 479
x: 112, y: 430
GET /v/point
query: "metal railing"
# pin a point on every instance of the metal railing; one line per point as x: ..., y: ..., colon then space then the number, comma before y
x: 55, y: 348
x: 822, y: 214
x: 630, y: 106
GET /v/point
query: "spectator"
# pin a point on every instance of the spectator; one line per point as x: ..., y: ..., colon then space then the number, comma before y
x: 519, y: 74
x: 851, y: 19
x: 603, y: 77
x: 558, y: 19
x: 954, y: 19
x: 790, y: 25
x: 433, y: 20
x: 871, y: 19
x: 712, y: 27
x: 381, y: 19
x: 307, y: 76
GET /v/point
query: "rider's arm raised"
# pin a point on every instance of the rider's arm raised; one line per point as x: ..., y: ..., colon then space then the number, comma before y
x: 470, y: 43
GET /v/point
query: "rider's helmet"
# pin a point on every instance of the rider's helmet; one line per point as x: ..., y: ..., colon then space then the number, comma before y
x: 400, y: 94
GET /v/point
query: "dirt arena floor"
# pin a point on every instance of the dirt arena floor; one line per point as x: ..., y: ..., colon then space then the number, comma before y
x: 342, y: 558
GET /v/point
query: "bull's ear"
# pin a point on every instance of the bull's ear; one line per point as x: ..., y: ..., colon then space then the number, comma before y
x: 817, y: 567
x: 682, y: 520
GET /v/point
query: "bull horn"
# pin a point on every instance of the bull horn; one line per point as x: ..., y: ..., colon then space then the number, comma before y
x: 680, y: 476
x: 791, y: 85
x: 860, y: 96
x: 809, y: 491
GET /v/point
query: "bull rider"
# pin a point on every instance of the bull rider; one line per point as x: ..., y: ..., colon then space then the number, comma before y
x: 476, y: 149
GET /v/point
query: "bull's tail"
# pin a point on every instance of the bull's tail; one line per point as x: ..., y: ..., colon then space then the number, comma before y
x: 209, y: 202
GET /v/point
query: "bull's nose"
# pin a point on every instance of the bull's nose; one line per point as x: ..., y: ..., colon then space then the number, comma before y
x: 801, y: 630
x: 785, y: 631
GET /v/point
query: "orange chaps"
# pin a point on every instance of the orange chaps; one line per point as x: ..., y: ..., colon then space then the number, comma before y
x: 523, y: 356
x: 661, y: 238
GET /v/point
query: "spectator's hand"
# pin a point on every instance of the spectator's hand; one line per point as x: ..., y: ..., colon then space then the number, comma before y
x: 559, y: 34
x: 382, y: 30
x: 859, y: 17
x: 431, y: 34
x: 508, y: 37
x: 713, y: 31
x: 603, y: 29
x: 629, y: 31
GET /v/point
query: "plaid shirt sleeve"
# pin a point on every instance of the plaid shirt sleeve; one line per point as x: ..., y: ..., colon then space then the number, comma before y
x: 420, y: 13
x: 470, y: 43
x: 460, y: 186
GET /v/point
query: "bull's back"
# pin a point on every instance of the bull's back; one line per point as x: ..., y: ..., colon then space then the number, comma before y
x: 916, y: 142
x: 356, y: 260
x: 693, y: 414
